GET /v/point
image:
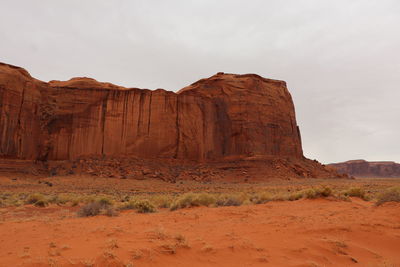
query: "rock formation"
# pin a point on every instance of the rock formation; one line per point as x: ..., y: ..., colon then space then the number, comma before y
x: 224, y: 117
x: 362, y: 168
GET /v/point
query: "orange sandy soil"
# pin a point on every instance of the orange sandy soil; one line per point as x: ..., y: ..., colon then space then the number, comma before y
x: 300, y: 233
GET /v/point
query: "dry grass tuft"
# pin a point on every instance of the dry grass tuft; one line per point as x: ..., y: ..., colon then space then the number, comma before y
x: 162, y: 201
x: 229, y: 200
x: 97, y: 208
x: 38, y: 200
x: 356, y: 192
x: 321, y: 192
x: 142, y: 206
x: 193, y: 200
x: 390, y: 195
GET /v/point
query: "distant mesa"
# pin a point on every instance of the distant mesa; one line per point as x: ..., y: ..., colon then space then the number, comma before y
x: 226, y: 117
x: 363, y: 168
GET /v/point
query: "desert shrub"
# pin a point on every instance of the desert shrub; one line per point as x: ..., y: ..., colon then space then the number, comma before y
x: 58, y: 199
x: 390, y: 195
x: 261, y: 198
x: 193, y: 200
x: 36, y: 197
x: 313, y: 193
x: 131, y: 205
x: 184, y: 201
x: 295, y: 196
x: 161, y: 201
x: 104, y: 201
x: 325, y: 191
x: 41, y: 203
x: 229, y: 200
x: 125, y: 198
x: 342, y: 197
x: 142, y: 206
x: 204, y: 199
x: 356, y: 192
x: 13, y: 200
x: 97, y: 207
x: 90, y: 209
x: 310, y: 193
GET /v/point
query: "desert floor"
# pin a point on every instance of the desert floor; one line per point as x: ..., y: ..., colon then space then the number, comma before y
x: 305, y: 232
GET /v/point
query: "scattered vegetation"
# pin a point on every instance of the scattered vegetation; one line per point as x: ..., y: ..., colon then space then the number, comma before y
x: 38, y: 200
x: 162, y: 201
x: 111, y: 202
x: 356, y: 192
x: 262, y: 198
x: 193, y: 200
x: 96, y: 208
x: 390, y: 195
x: 318, y: 193
x: 32, y: 199
x: 142, y: 206
x: 229, y: 200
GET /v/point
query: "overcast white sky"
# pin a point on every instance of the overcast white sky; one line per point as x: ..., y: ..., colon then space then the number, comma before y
x: 341, y: 59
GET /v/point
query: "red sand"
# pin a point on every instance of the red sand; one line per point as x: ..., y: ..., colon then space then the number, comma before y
x: 300, y: 233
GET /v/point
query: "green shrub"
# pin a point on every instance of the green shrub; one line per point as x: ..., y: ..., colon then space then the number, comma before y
x: 390, y: 195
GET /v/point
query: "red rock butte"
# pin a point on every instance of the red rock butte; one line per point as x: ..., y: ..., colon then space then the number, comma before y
x: 224, y: 117
x: 363, y: 168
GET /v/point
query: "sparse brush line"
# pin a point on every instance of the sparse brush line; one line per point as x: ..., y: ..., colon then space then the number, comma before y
x: 110, y: 204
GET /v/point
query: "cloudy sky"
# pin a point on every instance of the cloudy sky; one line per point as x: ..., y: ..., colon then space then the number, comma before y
x: 341, y: 59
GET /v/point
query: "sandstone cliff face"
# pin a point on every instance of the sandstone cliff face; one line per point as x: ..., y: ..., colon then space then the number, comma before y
x: 20, y: 118
x: 362, y: 168
x: 226, y: 116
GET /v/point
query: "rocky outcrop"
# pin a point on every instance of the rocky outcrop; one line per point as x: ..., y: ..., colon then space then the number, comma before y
x: 226, y: 117
x: 223, y: 116
x: 362, y: 168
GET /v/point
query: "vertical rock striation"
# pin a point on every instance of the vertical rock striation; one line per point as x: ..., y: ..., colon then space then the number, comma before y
x: 225, y: 116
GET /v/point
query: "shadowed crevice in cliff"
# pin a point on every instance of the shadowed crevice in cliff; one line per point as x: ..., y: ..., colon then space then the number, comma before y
x: 103, y: 123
